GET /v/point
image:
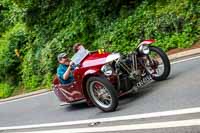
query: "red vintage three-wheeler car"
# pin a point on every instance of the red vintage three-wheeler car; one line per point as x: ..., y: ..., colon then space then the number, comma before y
x: 101, y: 77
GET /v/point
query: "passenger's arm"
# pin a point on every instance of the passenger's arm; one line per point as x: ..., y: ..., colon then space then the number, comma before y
x: 67, y: 73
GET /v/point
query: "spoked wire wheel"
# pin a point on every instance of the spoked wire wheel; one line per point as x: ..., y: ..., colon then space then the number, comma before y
x: 159, y: 64
x: 102, y: 93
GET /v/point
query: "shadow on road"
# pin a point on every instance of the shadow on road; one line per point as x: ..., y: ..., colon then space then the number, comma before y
x: 80, y: 106
x: 130, y: 98
x: 144, y: 92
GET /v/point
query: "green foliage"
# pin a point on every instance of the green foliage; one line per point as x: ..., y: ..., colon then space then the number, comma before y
x: 9, y: 15
x: 170, y: 24
x: 12, y: 40
x: 5, y: 90
x: 42, y: 29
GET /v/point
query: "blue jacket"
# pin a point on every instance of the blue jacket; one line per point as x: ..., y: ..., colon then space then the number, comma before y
x: 60, y: 72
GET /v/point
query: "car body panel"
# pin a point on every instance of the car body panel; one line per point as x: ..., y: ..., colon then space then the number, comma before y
x: 94, y: 59
x: 68, y: 92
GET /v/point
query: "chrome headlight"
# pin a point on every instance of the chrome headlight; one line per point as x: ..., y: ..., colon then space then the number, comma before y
x: 107, y: 69
x: 144, y: 49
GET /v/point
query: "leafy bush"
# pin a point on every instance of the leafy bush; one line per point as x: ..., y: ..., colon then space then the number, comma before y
x: 5, y: 90
x: 11, y: 51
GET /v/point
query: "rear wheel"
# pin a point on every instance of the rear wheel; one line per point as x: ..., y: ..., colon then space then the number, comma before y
x: 102, y: 93
x: 161, y: 65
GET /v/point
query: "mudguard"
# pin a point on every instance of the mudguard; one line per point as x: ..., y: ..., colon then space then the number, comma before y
x: 147, y: 42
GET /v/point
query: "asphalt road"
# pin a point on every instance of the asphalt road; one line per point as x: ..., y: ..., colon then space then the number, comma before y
x: 181, y: 90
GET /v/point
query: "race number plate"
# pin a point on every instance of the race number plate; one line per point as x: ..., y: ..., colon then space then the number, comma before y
x: 146, y: 80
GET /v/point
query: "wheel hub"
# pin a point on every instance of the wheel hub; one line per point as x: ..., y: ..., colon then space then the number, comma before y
x: 101, y: 94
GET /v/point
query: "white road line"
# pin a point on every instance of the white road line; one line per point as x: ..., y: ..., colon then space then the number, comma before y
x: 156, y: 125
x: 110, y: 119
x: 175, y: 62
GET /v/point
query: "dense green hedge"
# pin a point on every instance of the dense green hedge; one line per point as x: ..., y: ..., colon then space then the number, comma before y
x: 33, y: 32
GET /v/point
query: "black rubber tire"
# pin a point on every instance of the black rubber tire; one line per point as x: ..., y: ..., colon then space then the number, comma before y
x: 166, y: 62
x: 109, y: 87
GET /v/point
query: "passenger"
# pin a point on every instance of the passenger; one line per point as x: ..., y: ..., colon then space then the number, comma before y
x: 77, y: 47
x: 64, y: 70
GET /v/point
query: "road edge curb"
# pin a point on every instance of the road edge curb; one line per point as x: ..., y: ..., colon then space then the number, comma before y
x: 25, y: 95
x: 184, y: 54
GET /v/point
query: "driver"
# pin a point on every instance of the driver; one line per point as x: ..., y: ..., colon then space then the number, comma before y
x: 64, y: 70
